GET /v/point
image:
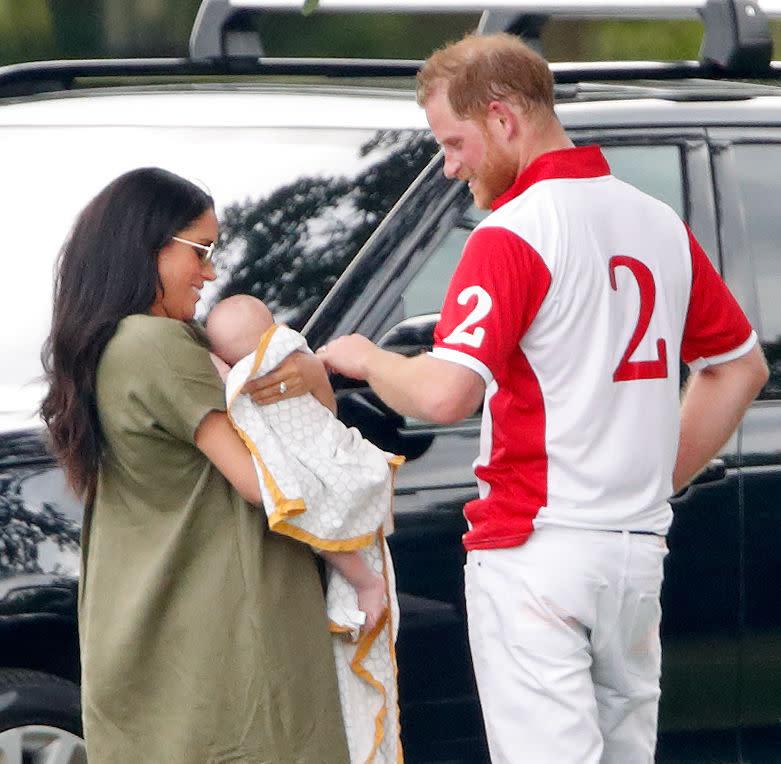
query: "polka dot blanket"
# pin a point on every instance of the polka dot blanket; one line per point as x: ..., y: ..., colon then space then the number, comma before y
x: 324, y: 484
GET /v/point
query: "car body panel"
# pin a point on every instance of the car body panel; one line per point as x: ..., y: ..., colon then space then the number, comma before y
x: 229, y: 106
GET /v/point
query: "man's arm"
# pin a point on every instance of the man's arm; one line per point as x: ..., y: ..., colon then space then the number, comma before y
x: 424, y: 387
x: 714, y: 402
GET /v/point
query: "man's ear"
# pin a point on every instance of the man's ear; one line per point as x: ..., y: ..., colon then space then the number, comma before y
x: 504, y: 119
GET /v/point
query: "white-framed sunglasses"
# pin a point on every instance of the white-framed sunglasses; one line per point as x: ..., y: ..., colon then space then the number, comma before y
x: 207, y: 250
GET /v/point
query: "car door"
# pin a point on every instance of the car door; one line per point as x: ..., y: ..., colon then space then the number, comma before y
x: 392, y: 295
x: 747, y: 166
x: 295, y: 203
x: 699, y: 713
x: 379, y: 297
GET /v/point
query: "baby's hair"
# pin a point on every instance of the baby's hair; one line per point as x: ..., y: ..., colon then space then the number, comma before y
x: 235, y: 325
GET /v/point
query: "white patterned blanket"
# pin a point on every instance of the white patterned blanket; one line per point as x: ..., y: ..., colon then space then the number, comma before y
x: 324, y: 484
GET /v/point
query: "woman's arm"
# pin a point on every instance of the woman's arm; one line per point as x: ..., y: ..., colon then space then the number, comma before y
x: 221, y: 444
x: 301, y: 373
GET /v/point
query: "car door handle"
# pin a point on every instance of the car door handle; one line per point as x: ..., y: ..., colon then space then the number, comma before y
x: 714, y: 471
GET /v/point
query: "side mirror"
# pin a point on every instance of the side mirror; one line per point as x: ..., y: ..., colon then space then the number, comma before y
x: 411, y: 336
x: 358, y: 405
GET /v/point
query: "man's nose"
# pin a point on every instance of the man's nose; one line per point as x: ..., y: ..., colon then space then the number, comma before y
x: 452, y: 166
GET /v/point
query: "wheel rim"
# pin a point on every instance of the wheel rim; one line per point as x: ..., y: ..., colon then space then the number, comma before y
x: 37, y: 744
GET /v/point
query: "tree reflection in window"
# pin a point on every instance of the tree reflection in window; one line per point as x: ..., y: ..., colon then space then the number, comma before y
x: 297, y: 241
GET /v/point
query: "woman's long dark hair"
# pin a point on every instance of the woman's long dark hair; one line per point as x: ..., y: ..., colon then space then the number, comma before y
x: 106, y: 270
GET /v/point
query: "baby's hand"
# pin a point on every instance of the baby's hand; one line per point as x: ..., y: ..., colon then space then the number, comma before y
x: 371, y: 600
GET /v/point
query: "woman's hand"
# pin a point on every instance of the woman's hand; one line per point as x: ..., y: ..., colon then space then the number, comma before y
x: 299, y: 373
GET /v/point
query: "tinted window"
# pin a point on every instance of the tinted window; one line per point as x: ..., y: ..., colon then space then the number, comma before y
x: 758, y: 168
x: 426, y: 292
x: 294, y: 205
x: 653, y: 169
x: 37, y: 533
x: 289, y: 246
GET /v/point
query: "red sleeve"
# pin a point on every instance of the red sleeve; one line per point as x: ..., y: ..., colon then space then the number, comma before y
x: 715, y: 323
x: 493, y: 297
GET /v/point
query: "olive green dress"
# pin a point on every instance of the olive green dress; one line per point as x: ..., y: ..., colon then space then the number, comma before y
x: 203, y: 635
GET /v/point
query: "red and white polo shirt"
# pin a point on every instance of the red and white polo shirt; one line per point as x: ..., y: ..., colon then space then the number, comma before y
x: 574, y: 301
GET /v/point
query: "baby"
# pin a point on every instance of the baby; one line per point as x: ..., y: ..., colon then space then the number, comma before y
x: 234, y: 327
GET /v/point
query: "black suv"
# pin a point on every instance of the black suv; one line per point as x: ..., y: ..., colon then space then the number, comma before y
x: 334, y: 210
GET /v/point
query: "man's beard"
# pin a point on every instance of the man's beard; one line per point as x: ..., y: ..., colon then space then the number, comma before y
x: 496, y: 175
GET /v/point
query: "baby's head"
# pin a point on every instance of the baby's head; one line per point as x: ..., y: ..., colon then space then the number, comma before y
x: 234, y: 326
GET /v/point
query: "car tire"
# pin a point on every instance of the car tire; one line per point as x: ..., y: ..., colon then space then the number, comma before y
x: 40, y: 718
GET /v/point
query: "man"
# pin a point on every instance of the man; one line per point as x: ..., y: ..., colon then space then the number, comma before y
x: 566, y: 317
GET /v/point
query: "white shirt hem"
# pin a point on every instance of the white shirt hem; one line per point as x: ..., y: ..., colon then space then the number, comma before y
x: 455, y: 356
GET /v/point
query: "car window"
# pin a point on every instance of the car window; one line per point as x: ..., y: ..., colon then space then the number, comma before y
x: 295, y: 205
x: 289, y: 245
x: 758, y: 167
x: 426, y: 292
x: 653, y: 169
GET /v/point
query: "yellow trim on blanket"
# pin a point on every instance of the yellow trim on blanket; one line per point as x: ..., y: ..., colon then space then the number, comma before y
x: 335, y: 628
x: 394, y: 663
x: 394, y: 463
x: 392, y: 649
x: 259, y: 352
x: 328, y: 545
x: 283, y: 507
x: 365, y: 643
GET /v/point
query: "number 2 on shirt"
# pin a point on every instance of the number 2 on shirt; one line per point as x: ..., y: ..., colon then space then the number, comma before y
x: 626, y: 369
x: 473, y: 338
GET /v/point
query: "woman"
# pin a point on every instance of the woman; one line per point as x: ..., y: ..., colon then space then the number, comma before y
x: 203, y: 635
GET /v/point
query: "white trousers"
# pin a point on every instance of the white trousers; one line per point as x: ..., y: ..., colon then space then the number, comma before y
x: 564, y: 633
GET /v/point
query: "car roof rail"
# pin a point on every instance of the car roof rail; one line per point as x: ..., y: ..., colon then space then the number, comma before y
x: 37, y: 77
x: 737, y: 34
x: 736, y: 42
x: 221, y: 30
